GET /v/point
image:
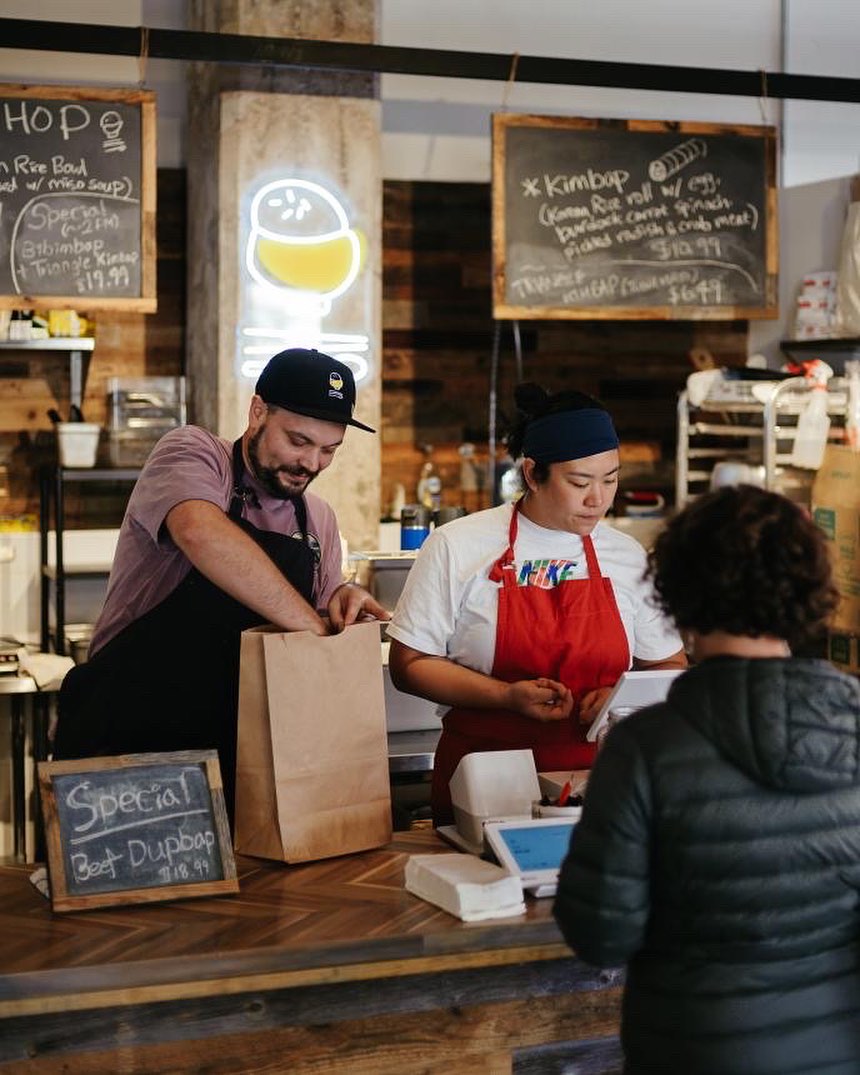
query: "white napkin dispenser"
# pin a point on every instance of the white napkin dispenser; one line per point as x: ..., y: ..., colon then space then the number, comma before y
x: 492, y: 784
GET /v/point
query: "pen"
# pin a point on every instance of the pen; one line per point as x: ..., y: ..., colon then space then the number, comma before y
x: 564, y: 795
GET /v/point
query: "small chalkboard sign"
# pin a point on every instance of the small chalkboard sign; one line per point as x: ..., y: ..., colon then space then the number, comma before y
x: 77, y: 198
x: 136, y: 829
x: 633, y: 219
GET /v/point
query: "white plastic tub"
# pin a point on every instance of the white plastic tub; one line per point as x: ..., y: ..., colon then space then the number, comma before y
x: 78, y: 443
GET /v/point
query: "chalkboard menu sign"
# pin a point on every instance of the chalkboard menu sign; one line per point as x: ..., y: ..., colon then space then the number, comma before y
x: 633, y: 219
x: 135, y: 829
x: 77, y: 198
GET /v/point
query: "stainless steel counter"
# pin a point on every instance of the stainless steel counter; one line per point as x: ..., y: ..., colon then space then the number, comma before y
x: 412, y: 752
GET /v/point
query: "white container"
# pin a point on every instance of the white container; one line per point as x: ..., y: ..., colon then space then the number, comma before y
x: 813, y: 426
x: 735, y: 472
x: 492, y: 785
x: 572, y: 813
x: 78, y: 443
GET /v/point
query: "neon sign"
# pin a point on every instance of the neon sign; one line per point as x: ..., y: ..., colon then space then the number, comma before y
x: 301, y: 254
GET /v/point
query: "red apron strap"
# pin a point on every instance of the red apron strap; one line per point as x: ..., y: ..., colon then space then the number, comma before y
x: 506, y: 560
x: 591, y: 557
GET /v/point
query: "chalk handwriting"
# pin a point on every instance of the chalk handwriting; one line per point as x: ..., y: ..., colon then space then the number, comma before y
x: 78, y: 239
x: 70, y: 169
x: 162, y: 796
x: 137, y: 827
x: 677, y: 228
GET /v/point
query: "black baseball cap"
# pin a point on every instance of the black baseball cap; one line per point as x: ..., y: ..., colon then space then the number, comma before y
x: 310, y: 383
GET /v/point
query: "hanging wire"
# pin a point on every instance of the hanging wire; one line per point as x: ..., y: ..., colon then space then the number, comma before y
x: 518, y: 351
x: 491, y: 425
x: 143, y: 57
x: 762, y: 100
x: 512, y: 77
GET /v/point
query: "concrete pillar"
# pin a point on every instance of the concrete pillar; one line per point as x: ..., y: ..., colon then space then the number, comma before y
x: 284, y: 243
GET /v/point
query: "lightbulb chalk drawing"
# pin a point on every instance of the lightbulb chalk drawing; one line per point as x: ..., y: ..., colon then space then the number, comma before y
x: 301, y: 243
x: 111, y: 124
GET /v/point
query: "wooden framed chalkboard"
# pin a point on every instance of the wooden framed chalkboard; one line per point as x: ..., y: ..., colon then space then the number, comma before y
x: 631, y: 219
x: 77, y: 198
x: 136, y: 829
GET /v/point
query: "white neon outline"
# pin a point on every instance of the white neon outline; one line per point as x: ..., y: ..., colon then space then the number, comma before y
x: 302, y: 240
x: 360, y: 366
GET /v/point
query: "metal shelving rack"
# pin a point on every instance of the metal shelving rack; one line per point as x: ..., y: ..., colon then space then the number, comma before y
x: 52, y: 506
x: 757, y: 429
x: 77, y: 348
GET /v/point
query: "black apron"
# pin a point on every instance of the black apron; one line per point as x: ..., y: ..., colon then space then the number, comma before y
x: 170, y: 680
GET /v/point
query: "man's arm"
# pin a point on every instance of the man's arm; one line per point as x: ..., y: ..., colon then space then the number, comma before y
x: 236, y: 564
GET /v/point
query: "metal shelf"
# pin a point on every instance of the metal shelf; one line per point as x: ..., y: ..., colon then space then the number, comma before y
x: 827, y: 343
x: 764, y: 443
x: 51, y: 502
x: 98, y: 474
x: 80, y: 571
x: 78, y: 349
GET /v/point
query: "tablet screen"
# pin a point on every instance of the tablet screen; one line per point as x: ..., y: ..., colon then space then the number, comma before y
x: 537, y: 847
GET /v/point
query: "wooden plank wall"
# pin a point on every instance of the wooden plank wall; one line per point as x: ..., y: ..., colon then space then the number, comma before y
x: 438, y: 336
x: 127, y: 345
x: 437, y: 345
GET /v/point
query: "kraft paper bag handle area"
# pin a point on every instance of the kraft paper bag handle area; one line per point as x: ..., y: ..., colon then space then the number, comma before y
x: 315, y: 783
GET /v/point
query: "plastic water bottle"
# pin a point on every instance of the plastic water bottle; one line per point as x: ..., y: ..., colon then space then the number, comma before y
x: 429, y: 489
x: 813, y: 425
x: 414, y: 526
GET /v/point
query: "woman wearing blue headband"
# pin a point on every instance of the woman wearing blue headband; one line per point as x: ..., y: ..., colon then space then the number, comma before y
x: 521, y: 618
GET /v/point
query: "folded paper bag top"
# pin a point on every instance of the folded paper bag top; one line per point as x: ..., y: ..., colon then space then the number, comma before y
x: 308, y: 707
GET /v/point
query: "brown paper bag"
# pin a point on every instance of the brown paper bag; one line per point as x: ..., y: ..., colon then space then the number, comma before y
x: 836, y: 509
x: 312, y: 764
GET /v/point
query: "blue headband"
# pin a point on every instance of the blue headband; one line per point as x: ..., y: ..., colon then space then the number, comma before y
x: 555, y: 438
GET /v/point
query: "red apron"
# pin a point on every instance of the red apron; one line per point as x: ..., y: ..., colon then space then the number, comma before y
x: 572, y: 633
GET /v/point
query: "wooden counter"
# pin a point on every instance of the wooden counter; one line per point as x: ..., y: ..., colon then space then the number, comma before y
x: 326, y: 967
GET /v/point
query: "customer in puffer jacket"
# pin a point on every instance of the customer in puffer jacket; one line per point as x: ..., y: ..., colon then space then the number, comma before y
x: 718, y: 854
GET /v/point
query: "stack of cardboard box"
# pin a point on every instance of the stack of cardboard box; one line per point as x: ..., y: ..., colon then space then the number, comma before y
x: 836, y: 509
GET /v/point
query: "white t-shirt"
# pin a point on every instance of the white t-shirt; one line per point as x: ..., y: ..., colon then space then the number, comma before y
x: 448, y: 607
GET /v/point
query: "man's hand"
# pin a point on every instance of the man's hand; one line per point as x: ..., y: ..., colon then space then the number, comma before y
x: 541, y: 699
x: 353, y: 604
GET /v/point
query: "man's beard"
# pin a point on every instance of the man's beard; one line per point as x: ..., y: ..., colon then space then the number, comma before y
x: 268, y: 476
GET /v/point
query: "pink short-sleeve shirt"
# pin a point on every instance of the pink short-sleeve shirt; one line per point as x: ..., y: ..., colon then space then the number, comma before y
x: 192, y: 464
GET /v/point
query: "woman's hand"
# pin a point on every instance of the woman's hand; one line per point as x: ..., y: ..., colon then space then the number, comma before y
x: 540, y: 699
x: 590, y: 703
x: 442, y: 680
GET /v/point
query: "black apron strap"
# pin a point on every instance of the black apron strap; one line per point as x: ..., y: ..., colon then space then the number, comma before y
x: 243, y: 494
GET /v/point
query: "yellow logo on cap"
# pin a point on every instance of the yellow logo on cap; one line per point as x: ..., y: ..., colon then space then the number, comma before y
x: 335, y: 381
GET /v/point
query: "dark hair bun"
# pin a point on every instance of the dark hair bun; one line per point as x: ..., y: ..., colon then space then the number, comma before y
x: 530, y: 398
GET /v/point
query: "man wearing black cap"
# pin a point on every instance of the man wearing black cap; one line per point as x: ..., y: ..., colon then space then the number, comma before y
x: 217, y: 538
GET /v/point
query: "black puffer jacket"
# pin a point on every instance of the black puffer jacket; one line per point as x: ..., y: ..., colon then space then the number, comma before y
x: 719, y: 856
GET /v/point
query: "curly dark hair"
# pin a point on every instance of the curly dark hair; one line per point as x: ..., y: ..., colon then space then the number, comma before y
x: 534, y: 402
x: 745, y: 561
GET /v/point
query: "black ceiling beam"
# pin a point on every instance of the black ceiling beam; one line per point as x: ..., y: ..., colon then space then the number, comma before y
x: 197, y: 46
